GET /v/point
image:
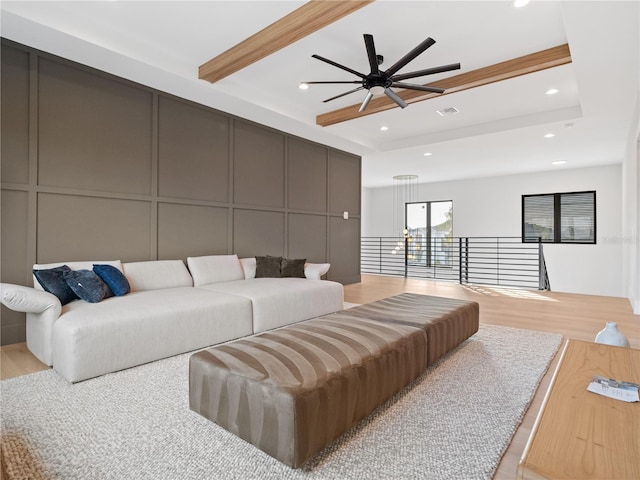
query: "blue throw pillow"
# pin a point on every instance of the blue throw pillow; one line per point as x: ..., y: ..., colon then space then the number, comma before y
x: 52, y: 281
x: 114, y: 279
x: 86, y: 284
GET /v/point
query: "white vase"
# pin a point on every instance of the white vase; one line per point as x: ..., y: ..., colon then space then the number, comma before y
x: 610, y: 335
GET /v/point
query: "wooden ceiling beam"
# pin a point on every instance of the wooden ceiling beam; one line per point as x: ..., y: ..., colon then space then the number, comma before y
x: 515, y: 67
x: 307, y: 19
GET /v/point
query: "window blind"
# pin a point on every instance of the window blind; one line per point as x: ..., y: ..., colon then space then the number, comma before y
x: 559, y: 217
x: 538, y: 218
x: 577, y: 217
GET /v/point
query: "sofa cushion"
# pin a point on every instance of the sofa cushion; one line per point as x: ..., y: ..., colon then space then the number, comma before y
x: 91, y: 339
x: 215, y: 269
x: 315, y: 271
x: 86, y: 285
x: 268, y: 267
x: 157, y: 275
x: 281, y: 301
x: 114, y: 278
x: 248, y: 267
x: 52, y: 281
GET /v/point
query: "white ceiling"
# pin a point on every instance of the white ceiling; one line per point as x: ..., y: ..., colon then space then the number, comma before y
x: 498, y: 131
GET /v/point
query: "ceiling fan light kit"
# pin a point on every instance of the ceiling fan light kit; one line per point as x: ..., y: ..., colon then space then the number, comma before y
x: 379, y: 81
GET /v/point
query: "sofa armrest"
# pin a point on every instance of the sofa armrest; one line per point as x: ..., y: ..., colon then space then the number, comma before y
x: 315, y: 271
x: 42, y: 309
x: 27, y: 299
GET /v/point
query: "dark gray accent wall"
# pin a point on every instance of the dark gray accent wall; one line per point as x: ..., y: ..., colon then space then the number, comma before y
x: 191, y: 230
x: 15, y: 102
x: 193, y: 152
x: 95, y: 167
x: 258, y: 165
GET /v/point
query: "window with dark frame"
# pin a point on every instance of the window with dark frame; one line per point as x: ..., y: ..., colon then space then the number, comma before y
x: 559, y: 217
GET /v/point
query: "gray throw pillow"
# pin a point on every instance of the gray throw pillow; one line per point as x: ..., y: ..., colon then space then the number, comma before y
x: 87, y: 285
x: 268, y: 267
x: 292, y: 267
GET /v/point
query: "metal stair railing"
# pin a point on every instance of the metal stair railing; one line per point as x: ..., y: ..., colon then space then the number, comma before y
x: 505, y: 261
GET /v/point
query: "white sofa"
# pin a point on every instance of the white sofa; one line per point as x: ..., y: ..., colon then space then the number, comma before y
x: 170, y: 310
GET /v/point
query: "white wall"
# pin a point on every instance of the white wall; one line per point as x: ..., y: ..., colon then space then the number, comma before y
x: 631, y: 196
x: 631, y: 216
x: 492, y: 207
x: 634, y: 246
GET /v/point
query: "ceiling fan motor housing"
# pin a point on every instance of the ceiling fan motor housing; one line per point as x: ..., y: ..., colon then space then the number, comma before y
x: 376, y: 80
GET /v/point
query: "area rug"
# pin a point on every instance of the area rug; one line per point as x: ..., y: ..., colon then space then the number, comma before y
x: 455, y: 421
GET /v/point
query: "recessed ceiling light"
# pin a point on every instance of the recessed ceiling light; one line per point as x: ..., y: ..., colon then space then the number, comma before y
x: 550, y: 135
x: 428, y: 154
x: 384, y: 129
x: 559, y: 162
x: 447, y: 111
x: 303, y: 86
x: 552, y: 91
x: 520, y: 3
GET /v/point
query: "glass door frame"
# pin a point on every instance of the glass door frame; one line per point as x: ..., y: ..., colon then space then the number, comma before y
x: 428, y: 241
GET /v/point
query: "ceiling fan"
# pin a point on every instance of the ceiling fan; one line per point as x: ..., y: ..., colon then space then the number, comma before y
x: 378, y: 81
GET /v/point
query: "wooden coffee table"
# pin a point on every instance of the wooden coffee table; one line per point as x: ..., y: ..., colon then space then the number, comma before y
x: 582, y: 435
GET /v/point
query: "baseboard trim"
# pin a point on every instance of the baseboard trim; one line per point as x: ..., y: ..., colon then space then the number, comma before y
x: 347, y: 280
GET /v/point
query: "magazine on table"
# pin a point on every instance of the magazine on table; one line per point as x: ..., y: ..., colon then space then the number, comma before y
x: 625, y: 391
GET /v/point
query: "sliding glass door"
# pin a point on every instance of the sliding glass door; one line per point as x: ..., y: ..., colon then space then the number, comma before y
x: 429, y: 230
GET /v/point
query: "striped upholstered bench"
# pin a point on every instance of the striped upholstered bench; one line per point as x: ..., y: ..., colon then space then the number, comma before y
x: 448, y: 322
x: 291, y: 391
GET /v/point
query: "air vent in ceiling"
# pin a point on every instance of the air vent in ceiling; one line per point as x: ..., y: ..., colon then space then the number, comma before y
x: 448, y: 111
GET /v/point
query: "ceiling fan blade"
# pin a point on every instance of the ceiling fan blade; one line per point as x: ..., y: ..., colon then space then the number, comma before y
x: 371, y: 53
x: 393, y: 96
x: 426, y: 71
x: 422, y: 88
x: 410, y: 56
x: 331, y: 62
x: 332, y: 81
x: 343, y: 94
x: 367, y: 99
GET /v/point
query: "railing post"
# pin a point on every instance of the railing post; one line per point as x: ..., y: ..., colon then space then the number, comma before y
x: 466, y: 260
x: 435, y: 259
x: 540, y: 267
x: 460, y: 260
x: 498, y: 260
x: 406, y: 256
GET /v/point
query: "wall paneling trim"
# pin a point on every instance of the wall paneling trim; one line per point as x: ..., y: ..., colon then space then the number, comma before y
x: 94, y: 166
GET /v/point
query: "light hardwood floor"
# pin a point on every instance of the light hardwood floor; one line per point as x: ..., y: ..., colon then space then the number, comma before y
x: 573, y: 316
